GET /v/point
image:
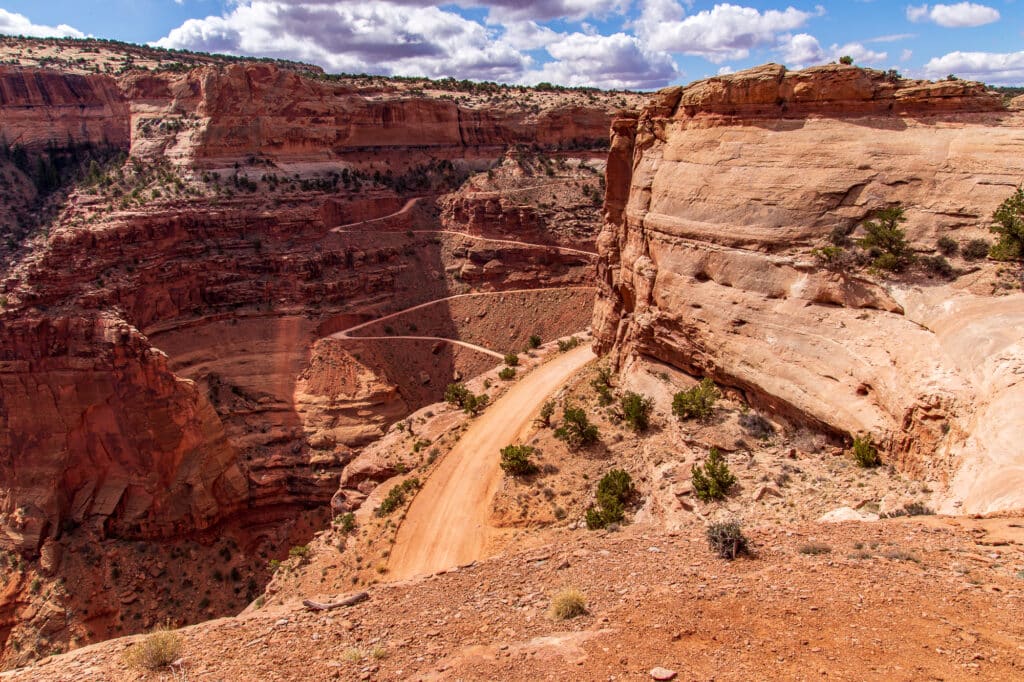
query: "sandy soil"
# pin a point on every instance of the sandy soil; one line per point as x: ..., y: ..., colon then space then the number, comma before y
x: 446, y: 524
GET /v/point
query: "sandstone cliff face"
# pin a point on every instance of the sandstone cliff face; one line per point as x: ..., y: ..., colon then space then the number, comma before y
x: 40, y: 107
x: 229, y: 112
x: 717, y: 193
x: 97, y: 430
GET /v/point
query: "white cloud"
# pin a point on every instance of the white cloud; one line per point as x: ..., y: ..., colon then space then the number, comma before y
x: 991, y: 67
x: 724, y: 32
x: 410, y: 37
x: 371, y: 36
x: 861, y: 55
x: 527, y: 35
x: 960, y: 15
x: 19, y: 25
x: 802, y: 49
x: 614, y: 61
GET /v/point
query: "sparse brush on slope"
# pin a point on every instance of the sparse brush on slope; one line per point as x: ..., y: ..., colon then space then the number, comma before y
x: 726, y: 539
x: 156, y: 651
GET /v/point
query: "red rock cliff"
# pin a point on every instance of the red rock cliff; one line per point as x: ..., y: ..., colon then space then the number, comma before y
x: 718, y: 192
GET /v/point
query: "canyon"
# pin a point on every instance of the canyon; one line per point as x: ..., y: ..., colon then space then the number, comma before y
x: 184, y: 369
x: 229, y: 322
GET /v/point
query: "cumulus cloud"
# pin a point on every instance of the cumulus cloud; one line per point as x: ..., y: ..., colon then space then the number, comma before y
x: 991, y: 67
x: 960, y: 15
x: 372, y: 36
x: 412, y: 37
x: 614, y: 61
x: 722, y: 33
x: 803, y: 49
x: 15, y: 24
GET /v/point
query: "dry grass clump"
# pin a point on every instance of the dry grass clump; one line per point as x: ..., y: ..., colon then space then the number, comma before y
x: 568, y: 604
x: 157, y: 651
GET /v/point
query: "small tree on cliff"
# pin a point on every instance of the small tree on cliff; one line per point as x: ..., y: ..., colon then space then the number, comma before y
x: 846, y: 59
x: 1009, y: 225
x: 886, y: 240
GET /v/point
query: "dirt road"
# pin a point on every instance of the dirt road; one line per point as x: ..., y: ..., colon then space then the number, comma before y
x: 447, y: 522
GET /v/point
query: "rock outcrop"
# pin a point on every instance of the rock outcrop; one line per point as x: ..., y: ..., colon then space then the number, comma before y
x: 717, y: 193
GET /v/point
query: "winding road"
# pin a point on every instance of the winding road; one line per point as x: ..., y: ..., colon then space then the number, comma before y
x: 447, y: 523
x: 412, y: 202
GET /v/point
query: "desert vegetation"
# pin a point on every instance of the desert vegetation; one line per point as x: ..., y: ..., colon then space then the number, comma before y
x: 697, y: 402
x: 516, y: 460
x: 576, y: 428
x: 712, y: 479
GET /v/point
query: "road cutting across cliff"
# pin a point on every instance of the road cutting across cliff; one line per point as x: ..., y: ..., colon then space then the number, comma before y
x: 447, y: 523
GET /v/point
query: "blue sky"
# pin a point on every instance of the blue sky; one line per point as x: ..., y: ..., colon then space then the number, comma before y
x: 641, y: 44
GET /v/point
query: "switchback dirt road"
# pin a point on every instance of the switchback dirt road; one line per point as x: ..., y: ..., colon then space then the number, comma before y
x: 446, y: 524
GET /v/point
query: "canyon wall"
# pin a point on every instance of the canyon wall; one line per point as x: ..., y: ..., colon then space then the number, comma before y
x: 717, y: 194
x: 40, y: 107
x: 159, y: 370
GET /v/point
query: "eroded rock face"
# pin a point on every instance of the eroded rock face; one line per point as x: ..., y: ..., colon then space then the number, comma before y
x: 40, y: 107
x: 98, y: 431
x: 716, y: 195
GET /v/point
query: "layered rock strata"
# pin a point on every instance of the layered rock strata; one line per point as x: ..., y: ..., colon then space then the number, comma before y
x: 718, y: 192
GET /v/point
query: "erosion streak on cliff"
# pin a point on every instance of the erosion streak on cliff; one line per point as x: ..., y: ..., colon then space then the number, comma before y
x: 446, y: 525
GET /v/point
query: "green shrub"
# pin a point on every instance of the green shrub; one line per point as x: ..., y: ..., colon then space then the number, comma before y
x: 636, y: 410
x: 535, y: 341
x: 712, y: 480
x: 976, y: 249
x: 568, y: 604
x: 456, y: 394
x: 846, y: 59
x: 602, y: 383
x: 545, y: 414
x: 346, y: 522
x: 507, y: 373
x: 300, y: 552
x: 460, y: 396
x: 614, y: 490
x: 886, y: 241
x: 511, y: 359
x: 396, y: 496
x: 833, y: 257
x: 865, y: 454
x: 1009, y: 225
x: 947, y: 246
x: 576, y: 429
x: 726, y: 539
x: 568, y: 344
x: 515, y: 460
x: 697, y: 402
